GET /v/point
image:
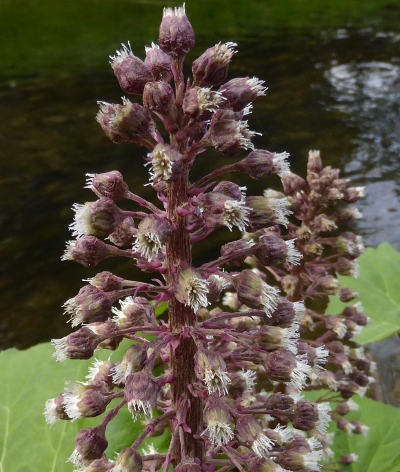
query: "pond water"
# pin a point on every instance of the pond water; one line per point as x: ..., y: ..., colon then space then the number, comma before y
x: 333, y: 72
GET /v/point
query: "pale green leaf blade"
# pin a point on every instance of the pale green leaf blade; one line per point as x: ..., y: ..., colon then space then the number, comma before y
x: 378, y: 285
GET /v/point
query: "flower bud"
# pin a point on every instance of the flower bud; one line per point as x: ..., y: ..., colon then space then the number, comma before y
x: 265, y: 465
x: 109, y: 331
x: 237, y: 251
x: 289, y: 284
x: 308, y: 416
x: 54, y: 410
x: 327, y: 285
x: 231, y: 190
x: 250, y: 432
x: 241, y: 91
x: 188, y: 465
x: 160, y: 98
x: 352, y: 194
x: 273, y: 250
x: 127, y: 123
x: 100, y: 375
x: 200, y: 102
x: 99, y: 465
x: 286, y: 313
x: 108, y: 184
x: 90, y: 445
x: 230, y: 135
x: 158, y: 62
x: 283, y: 366
x: 279, y: 401
x: 314, y: 164
x: 141, y: 391
x: 88, y: 251
x: 255, y: 293
x: 124, y: 233
x: 359, y: 428
x: 83, y: 401
x: 78, y: 345
x: 346, y: 407
x: 347, y: 267
x: 97, y: 218
x: 216, y: 284
x: 323, y: 223
x: 211, y: 369
x: 294, y: 460
x: 345, y: 215
x: 260, y: 163
x: 345, y: 425
x: 166, y: 163
x: 192, y: 289
x: 349, y: 459
x: 267, y: 211
x: 131, y: 72
x: 211, y: 68
x: 91, y: 304
x: 133, y: 312
x: 133, y: 361
x: 152, y: 233
x: 218, y: 421
x: 274, y: 337
x: 220, y: 210
x: 176, y: 33
x: 107, y: 282
x: 128, y: 460
x: 293, y: 183
x: 347, y: 295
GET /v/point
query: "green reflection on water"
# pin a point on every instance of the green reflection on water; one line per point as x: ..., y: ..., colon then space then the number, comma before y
x: 54, y: 68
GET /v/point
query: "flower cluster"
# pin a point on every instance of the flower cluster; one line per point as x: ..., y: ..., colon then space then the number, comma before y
x: 235, y: 352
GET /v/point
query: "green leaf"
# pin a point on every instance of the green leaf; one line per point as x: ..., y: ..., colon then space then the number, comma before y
x: 379, y: 451
x: 378, y: 285
x: 27, y: 444
x: 162, y: 308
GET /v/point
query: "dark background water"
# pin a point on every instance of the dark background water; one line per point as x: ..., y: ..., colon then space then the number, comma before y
x: 333, y: 72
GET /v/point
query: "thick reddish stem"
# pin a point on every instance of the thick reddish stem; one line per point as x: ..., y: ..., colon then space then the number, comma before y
x: 182, y: 359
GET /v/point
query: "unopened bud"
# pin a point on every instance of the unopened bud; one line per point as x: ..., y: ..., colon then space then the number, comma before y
x: 128, y: 460
x: 78, y: 345
x: 237, y: 251
x: 133, y: 312
x: 255, y: 293
x: 88, y: 251
x: 200, y: 102
x: 241, y: 91
x: 349, y: 459
x: 84, y: 402
x: 158, y: 62
x: 133, y: 361
x: 250, y: 432
x: 188, y: 465
x: 314, y: 163
x: 131, y: 72
x: 211, y: 68
x: 176, y: 33
x: 91, y: 304
x: 260, y: 163
x: 327, y: 285
x: 127, y: 123
x: 352, y: 194
x: 108, y: 184
x: 54, y: 410
x: 292, y: 183
x: 160, y: 98
x: 141, y: 391
x: 97, y: 218
x: 323, y: 223
x: 99, y: 465
x: 229, y: 135
x: 124, y: 233
x: 90, y: 445
x: 347, y: 295
x: 283, y: 366
x: 267, y: 211
x: 286, y: 313
x: 273, y: 250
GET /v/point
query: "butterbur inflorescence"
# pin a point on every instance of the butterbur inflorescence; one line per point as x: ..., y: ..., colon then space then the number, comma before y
x: 246, y: 332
